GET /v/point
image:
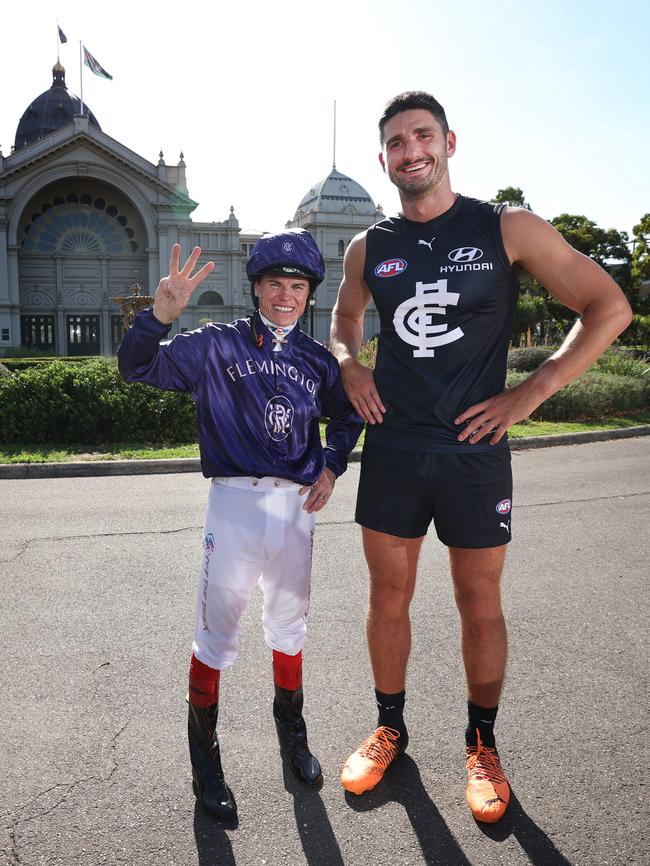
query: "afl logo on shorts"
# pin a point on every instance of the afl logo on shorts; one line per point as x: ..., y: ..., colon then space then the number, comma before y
x: 209, y: 543
x: 278, y: 418
x: 465, y: 254
x: 390, y: 268
x: 504, y: 506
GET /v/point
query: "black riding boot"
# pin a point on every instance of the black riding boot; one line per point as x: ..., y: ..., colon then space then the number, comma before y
x: 209, y: 784
x: 287, y: 712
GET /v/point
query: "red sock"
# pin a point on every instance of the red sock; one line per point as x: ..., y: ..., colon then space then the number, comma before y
x: 287, y: 670
x: 204, y: 684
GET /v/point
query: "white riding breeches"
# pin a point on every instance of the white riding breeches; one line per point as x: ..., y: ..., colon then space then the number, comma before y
x: 256, y: 530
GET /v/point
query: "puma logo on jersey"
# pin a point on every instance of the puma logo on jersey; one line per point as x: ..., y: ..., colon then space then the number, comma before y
x: 427, y: 243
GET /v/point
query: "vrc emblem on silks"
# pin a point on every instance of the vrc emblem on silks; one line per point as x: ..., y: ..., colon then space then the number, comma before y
x: 278, y: 418
x: 414, y: 323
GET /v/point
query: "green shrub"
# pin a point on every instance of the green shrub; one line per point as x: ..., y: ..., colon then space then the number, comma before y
x: 525, y: 360
x: 368, y: 353
x: 619, y: 363
x: 26, y: 352
x: 592, y: 396
x: 90, y: 403
x: 637, y: 333
x: 18, y: 364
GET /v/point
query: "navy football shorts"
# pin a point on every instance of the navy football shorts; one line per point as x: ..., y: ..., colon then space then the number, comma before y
x: 467, y: 496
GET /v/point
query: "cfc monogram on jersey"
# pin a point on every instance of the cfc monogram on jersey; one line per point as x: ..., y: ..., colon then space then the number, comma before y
x: 415, y: 322
x: 445, y: 294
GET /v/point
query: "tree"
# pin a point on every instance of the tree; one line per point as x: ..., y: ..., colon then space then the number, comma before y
x: 607, y: 247
x: 584, y: 235
x: 513, y: 196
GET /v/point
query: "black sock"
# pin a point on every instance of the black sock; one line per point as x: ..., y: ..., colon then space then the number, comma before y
x: 482, y: 718
x: 391, y: 713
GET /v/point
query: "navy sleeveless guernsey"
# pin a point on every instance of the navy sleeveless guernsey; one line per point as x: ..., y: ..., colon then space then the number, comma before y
x: 446, y: 294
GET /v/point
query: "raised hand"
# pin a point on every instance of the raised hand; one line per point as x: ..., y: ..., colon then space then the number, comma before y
x: 175, y: 290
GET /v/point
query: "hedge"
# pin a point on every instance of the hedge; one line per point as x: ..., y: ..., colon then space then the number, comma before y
x: 525, y: 360
x: 593, y: 395
x: 20, y: 364
x: 90, y: 403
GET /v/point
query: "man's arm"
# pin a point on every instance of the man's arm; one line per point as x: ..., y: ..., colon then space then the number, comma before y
x: 342, y: 431
x: 346, y: 335
x: 578, y: 283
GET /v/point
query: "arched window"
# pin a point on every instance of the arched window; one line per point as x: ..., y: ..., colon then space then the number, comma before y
x: 210, y: 299
x: 341, y: 248
x: 92, y: 228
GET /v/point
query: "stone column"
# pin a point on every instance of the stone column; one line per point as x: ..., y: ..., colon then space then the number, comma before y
x: 105, y: 311
x: 60, y: 332
x: 13, y: 292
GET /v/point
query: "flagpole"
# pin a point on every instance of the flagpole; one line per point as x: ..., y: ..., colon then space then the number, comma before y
x: 81, y: 77
x: 57, y: 42
x: 334, y: 140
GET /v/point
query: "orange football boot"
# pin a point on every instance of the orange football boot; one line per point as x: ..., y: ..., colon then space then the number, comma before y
x: 488, y: 791
x: 366, y: 767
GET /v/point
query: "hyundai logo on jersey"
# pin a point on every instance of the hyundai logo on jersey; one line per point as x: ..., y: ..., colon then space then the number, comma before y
x: 465, y: 254
x: 390, y: 268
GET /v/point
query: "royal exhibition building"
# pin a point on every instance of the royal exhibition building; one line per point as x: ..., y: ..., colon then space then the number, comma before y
x: 84, y: 220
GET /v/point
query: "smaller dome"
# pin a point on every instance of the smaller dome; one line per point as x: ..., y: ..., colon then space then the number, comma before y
x: 50, y: 111
x: 336, y: 194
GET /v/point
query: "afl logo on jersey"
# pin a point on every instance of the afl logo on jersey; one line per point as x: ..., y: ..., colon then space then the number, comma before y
x: 465, y: 254
x: 391, y: 268
x: 504, y: 506
x: 278, y: 418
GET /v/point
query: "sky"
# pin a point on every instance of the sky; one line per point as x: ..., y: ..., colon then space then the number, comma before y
x: 551, y: 96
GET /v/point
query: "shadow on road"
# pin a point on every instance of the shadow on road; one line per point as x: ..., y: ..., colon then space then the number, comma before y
x: 402, y: 784
x: 536, y: 844
x: 212, y: 843
x: 314, y: 828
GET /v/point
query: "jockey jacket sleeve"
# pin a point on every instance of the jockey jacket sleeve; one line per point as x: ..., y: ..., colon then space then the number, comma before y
x: 343, y: 426
x: 175, y: 366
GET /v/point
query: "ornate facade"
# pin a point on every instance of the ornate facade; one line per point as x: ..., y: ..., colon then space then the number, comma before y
x: 83, y: 219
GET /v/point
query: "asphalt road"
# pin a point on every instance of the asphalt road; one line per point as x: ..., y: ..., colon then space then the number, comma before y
x: 98, y: 580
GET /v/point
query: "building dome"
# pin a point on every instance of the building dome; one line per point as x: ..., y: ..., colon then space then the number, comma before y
x: 50, y: 111
x: 337, y: 194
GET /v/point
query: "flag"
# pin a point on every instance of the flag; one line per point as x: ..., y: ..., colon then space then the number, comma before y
x: 90, y: 61
x: 62, y: 37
